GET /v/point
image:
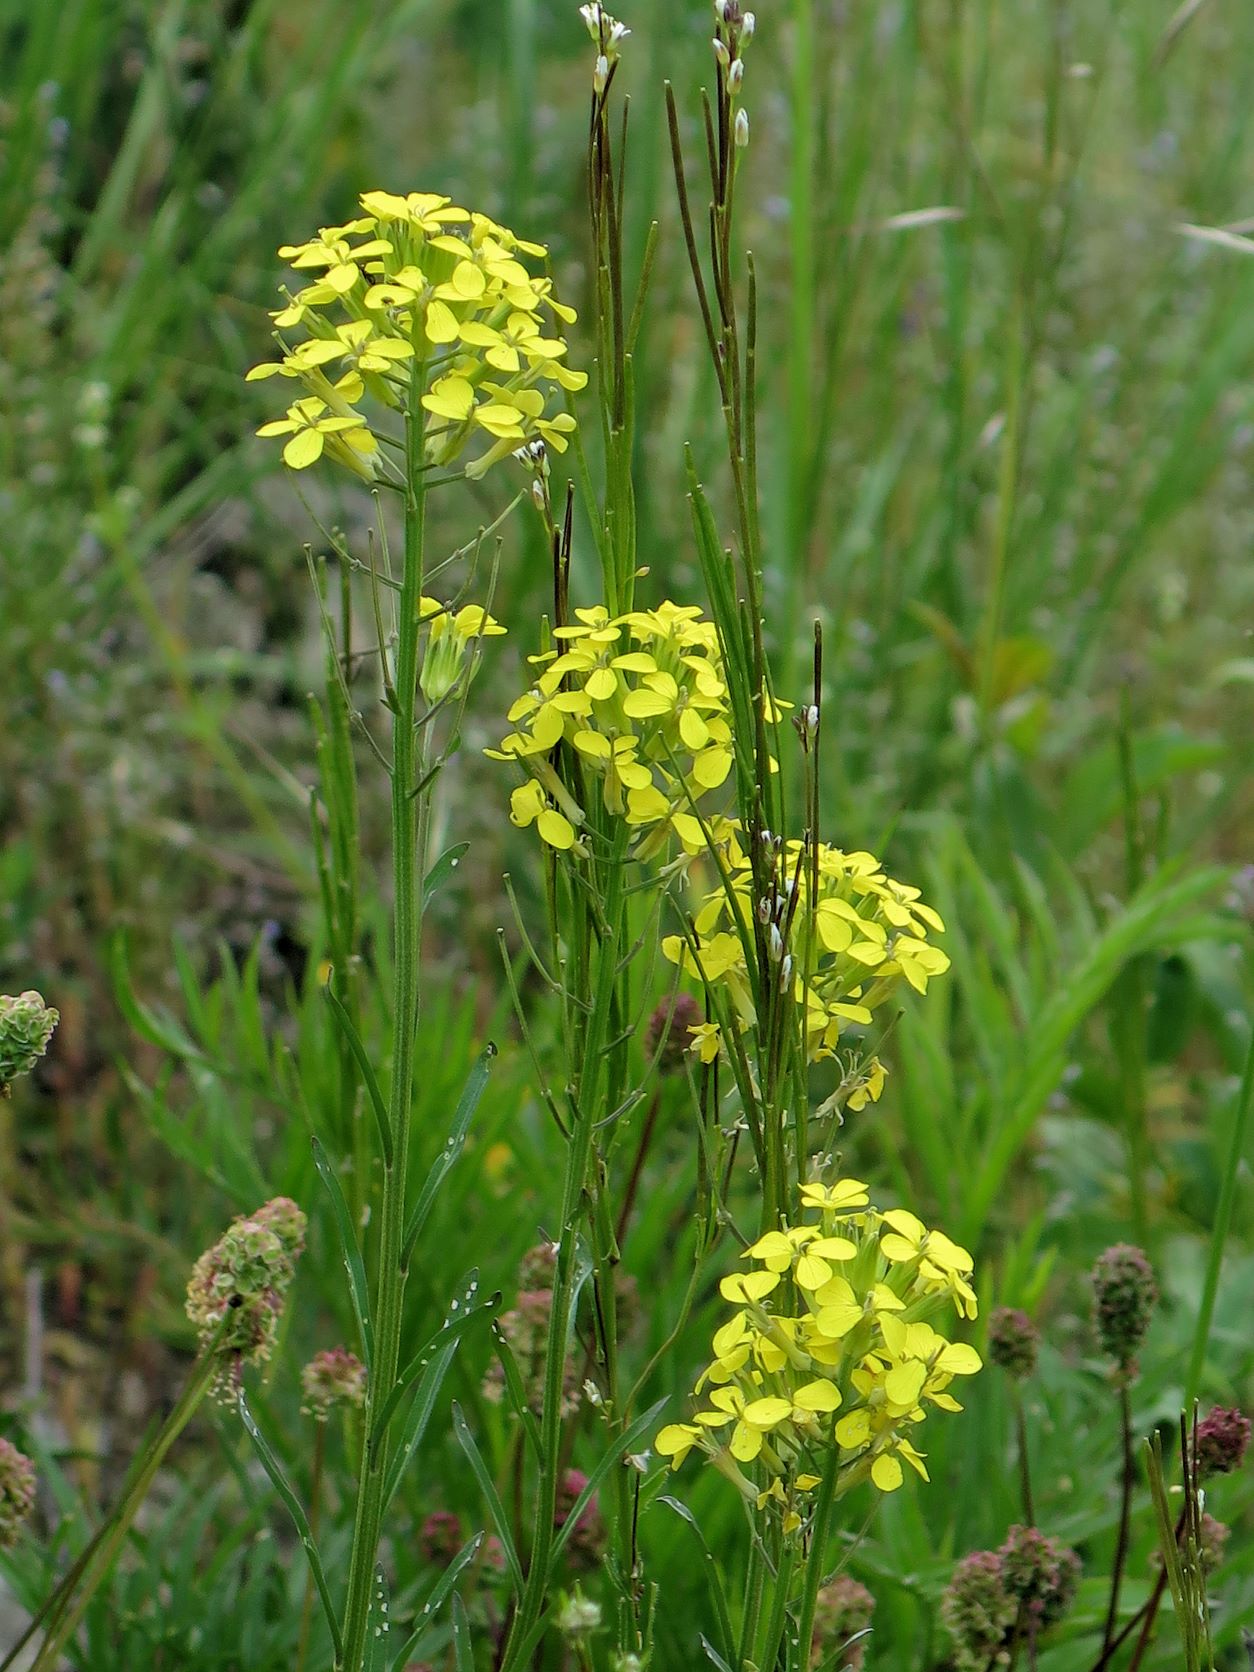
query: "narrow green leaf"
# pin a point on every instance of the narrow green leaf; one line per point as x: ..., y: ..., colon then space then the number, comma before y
x: 368, y: 1078
x: 300, y: 1520
x: 379, y: 1626
x: 622, y: 1445
x: 444, y: 867
x: 450, y: 1331
x: 462, y: 1117
x: 463, y: 1653
x: 517, y: 1394
x: 710, y: 1568
x: 430, y: 1381
x: 490, y: 1495
x: 354, y: 1265
x: 437, y: 1599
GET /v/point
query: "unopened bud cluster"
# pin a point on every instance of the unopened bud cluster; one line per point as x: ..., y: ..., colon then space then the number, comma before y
x: 26, y: 1026
x: 1125, y: 1293
x: 238, y: 1286
x: 734, y: 30
x: 331, y: 1378
x: 608, y: 35
x: 17, y: 1492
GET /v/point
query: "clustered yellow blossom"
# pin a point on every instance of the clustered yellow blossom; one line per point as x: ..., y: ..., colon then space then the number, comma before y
x: 452, y: 636
x: 830, y: 1358
x: 416, y: 287
x: 642, y: 702
x: 869, y: 935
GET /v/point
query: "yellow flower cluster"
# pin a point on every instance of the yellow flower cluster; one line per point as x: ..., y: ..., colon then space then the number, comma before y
x: 830, y: 1347
x: 416, y: 286
x: 452, y: 636
x: 642, y: 702
x: 870, y: 934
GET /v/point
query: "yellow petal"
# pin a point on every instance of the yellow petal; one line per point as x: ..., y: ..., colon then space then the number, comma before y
x: 303, y: 449
x: 886, y: 1473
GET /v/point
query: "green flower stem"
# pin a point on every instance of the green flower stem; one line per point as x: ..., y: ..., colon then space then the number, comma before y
x: 409, y: 827
x: 1025, y: 1464
x: 590, y: 1094
x: 754, y: 1581
x: 816, y: 1559
x: 777, y: 1620
x: 315, y: 1514
x: 1219, y: 1235
x: 69, y: 1603
x: 1128, y: 1477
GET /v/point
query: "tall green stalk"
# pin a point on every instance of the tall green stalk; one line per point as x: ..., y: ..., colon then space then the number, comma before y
x: 409, y: 821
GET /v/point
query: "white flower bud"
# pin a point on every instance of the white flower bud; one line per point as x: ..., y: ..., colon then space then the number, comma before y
x: 578, y: 1616
x: 601, y: 74
x: 748, y: 26
x: 736, y: 74
x: 618, y: 34
x: 774, y: 944
x: 537, y: 494
x: 721, y: 52
x: 785, y: 972
x: 742, y: 129
x: 721, y: 9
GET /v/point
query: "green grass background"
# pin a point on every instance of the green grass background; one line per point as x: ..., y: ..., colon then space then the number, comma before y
x: 1007, y: 431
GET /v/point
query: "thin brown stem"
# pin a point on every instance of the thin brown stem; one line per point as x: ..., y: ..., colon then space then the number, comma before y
x: 1125, y: 1516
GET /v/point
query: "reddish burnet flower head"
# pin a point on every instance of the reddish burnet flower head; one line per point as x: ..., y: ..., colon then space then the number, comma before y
x: 1013, y: 1340
x: 586, y: 1544
x: 334, y: 1377
x: 440, y: 1537
x: 538, y: 1266
x: 977, y: 1611
x: 1212, y: 1541
x: 842, y: 1609
x: 1125, y: 1293
x: 1222, y: 1438
x: 1041, y: 1574
x: 670, y: 1032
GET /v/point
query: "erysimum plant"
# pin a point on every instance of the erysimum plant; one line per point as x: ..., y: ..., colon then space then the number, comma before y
x: 673, y: 797
x: 428, y: 347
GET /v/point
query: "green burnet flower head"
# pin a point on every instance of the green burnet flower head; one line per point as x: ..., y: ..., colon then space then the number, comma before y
x: 17, y: 1492
x: 26, y: 1026
x: 237, y: 1287
x: 415, y: 287
x: 1125, y: 1293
